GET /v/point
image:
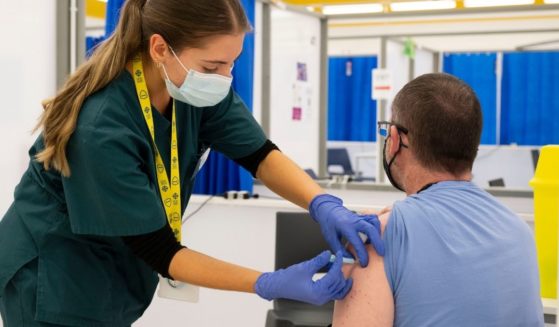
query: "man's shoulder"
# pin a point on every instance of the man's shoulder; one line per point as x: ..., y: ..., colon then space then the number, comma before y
x: 451, y: 206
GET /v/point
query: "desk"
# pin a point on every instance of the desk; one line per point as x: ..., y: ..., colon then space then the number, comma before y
x: 550, y: 311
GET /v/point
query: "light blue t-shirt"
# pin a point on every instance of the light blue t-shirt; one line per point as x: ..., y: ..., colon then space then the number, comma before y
x: 457, y: 257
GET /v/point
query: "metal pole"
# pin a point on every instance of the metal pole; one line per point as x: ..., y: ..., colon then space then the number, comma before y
x: 80, y: 32
x: 62, y: 42
x: 499, y: 89
x: 70, y: 38
x: 266, y: 67
x: 437, y: 62
x: 323, y: 124
x: 381, y: 114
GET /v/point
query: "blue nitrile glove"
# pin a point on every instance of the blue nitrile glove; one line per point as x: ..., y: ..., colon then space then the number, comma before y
x: 295, y: 282
x: 336, y: 221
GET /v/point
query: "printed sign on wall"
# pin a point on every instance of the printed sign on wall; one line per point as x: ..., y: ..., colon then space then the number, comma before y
x: 382, y: 84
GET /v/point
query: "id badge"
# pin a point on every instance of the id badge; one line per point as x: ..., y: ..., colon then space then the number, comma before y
x: 175, y: 290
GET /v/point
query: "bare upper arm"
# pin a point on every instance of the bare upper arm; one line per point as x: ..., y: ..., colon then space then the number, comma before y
x: 370, y: 301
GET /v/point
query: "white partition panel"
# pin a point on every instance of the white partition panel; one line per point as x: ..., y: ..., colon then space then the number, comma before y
x: 27, y: 62
x: 399, y: 65
x: 424, y: 62
x: 514, y: 164
x: 354, y: 47
x: 295, y: 85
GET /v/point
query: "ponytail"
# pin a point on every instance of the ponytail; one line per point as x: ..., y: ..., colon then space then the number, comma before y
x: 60, y: 115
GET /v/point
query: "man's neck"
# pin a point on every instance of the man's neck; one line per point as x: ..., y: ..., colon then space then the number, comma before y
x: 419, y: 177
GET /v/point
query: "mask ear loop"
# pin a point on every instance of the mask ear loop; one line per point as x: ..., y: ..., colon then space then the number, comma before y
x: 164, y: 71
x: 399, y: 149
x: 180, y: 62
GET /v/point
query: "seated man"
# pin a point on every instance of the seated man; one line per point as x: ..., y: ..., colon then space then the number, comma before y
x: 455, y: 256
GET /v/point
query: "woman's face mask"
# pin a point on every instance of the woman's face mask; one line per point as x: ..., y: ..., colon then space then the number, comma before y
x: 199, y: 89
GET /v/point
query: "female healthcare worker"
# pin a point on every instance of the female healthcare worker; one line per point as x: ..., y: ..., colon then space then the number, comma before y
x: 99, y: 209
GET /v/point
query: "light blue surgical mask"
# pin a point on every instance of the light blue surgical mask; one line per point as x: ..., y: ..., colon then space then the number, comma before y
x: 198, y: 89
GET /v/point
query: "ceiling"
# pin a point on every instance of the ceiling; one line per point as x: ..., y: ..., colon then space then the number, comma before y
x: 387, y: 5
x: 345, y: 2
x: 97, y: 8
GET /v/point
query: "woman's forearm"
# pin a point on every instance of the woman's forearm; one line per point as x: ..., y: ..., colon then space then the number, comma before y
x: 285, y: 178
x: 199, y: 269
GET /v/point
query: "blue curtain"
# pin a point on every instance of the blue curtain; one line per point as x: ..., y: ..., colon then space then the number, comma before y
x: 113, y: 13
x: 91, y: 42
x: 220, y: 174
x: 352, y: 113
x: 478, y: 71
x: 111, y: 19
x: 530, y: 98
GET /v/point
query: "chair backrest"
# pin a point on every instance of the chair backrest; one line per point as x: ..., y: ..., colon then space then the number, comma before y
x: 499, y: 182
x: 311, y: 173
x: 535, y: 157
x: 298, y: 238
x: 340, y: 157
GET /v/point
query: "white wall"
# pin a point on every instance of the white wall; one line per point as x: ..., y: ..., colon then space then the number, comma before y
x: 295, y: 39
x: 27, y: 63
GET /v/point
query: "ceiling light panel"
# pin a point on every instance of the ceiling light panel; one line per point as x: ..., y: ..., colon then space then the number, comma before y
x: 352, y: 9
x: 496, y: 3
x: 423, y: 5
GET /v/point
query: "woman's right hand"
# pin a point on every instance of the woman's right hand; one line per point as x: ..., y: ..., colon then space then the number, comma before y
x: 296, y: 283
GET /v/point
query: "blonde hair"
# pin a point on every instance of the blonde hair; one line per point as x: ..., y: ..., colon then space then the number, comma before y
x: 181, y: 23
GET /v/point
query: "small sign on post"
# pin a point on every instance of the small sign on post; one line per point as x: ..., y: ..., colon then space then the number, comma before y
x: 382, y: 84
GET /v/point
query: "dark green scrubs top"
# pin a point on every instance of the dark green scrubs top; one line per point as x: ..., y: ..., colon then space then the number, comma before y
x: 86, y: 276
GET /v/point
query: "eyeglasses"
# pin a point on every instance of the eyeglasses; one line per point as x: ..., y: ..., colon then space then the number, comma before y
x: 384, y: 128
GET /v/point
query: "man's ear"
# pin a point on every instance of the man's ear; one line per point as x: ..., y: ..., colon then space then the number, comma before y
x: 394, y: 142
x: 159, y: 49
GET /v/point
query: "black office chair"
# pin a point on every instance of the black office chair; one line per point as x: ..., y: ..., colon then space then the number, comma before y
x: 535, y: 158
x: 498, y: 182
x: 340, y: 157
x: 298, y: 238
x: 311, y: 173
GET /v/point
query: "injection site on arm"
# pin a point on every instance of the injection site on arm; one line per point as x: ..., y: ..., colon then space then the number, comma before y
x: 370, y: 302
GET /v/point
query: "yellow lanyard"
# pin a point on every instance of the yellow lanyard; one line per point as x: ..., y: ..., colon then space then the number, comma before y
x: 170, y: 192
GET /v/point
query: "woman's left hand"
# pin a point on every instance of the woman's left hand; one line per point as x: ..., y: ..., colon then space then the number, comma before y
x: 336, y: 221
